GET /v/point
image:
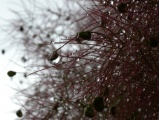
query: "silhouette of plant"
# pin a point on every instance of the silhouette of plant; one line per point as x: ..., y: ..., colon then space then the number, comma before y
x: 107, y: 70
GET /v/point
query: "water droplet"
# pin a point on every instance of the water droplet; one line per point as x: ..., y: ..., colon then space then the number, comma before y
x: 112, y: 3
x: 142, y: 39
x: 145, y: 116
x: 123, y: 30
x: 77, y: 59
x: 139, y: 110
x: 98, y: 79
x: 104, y: 44
x: 149, y: 103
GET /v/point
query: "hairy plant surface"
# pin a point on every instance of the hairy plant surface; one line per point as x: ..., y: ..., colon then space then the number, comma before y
x: 106, y: 67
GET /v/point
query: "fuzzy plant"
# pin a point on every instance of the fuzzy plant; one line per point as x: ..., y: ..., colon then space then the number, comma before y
x: 107, y: 70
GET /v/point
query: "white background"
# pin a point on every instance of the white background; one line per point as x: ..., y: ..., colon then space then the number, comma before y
x: 10, y: 60
x: 7, y: 93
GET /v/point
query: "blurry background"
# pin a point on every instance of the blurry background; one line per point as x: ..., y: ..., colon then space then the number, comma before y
x: 7, y: 105
x: 10, y: 55
x: 11, y: 52
x: 9, y: 60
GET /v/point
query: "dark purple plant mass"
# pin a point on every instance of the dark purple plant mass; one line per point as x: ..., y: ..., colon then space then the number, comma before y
x: 104, y: 67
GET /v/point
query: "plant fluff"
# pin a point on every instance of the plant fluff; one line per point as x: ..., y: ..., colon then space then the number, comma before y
x: 109, y: 69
